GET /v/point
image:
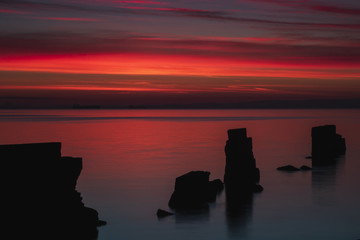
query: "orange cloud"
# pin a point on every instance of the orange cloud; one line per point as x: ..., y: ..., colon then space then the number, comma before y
x: 152, y: 64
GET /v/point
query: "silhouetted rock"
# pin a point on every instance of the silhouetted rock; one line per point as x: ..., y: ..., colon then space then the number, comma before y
x: 326, y: 144
x: 258, y: 188
x: 40, y: 192
x: 193, y: 190
x: 305, y: 168
x: 288, y: 168
x: 241, y: 173
x: 216, y: 185
x: 162, y: 213
x: 214, y: 188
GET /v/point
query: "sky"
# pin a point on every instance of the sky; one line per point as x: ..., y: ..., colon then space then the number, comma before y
x: 203, y: 53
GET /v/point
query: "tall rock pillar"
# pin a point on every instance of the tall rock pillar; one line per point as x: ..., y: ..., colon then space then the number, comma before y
x: 241, y: 173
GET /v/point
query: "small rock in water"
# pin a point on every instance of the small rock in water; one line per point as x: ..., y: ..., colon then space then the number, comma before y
x: 214, y: 188
x: 217, y: 185
x: 258, y: 188
x: 305, y: 168
x: 162, y: 213
x: 288, y: 168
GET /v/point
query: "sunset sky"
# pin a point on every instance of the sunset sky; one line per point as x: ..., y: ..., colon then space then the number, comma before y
x: 54, y: 53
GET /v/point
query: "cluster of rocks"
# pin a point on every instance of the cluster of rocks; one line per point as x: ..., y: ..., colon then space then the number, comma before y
x: 193, y: 190
x: 40, y: 194
x: 241, y: 179
x: 326, y: 146
x: 41, y: 184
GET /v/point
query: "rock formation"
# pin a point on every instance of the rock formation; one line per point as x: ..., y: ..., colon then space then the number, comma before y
x: 193, y: 190
x: 326, y: 144
x: 40, y: 194
x: 291, y: 168
x: 241, y: 174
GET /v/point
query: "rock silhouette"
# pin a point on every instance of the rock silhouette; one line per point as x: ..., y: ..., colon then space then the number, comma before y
x: 193, y: 190
x: 288, y: 168
x: 305, y: 168
x: 40, y: 194
x: 326, y: 144
x: 241, y: 173
x: 291, y: 168
x: 162, y: 213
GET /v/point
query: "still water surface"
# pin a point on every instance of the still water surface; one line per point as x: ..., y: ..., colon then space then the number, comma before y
x: 132, y: 157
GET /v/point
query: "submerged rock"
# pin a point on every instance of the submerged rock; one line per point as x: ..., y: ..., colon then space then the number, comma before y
x: 193, y: 190
x: 40, y: 192
x: 305, y: 168
x: 241, y: 173
x: 288, y: 168
x: 326, y: 144
x: 162, y: 213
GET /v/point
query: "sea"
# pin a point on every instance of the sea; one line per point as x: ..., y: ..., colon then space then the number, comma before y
x: 132, y: 157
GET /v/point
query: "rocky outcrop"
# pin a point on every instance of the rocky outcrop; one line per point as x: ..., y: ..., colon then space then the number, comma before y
x: 40, y: 192
x: 193, y: 190
x: 291, y: 168
x: 326, y: 144
x: 241, y: 173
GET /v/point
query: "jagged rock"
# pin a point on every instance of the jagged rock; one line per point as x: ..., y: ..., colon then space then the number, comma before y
x: 162, y: 213
x: 326, y: 144
x: 193, y: 190
x: 288, y: 168
x: 305, y: 168
x: 241, y: 173
x: 40, y: 190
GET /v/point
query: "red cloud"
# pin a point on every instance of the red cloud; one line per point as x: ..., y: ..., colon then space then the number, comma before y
x: 69, y: 19
x: 143, y: 2
x: 334, y: 9
x: 11, y: 11
x: 312, y: 5
x: 270, y: 50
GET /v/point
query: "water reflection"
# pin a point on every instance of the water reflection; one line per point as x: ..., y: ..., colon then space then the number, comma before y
x: 324, y: 180
x: 193, y: 216
x: 239, y: 209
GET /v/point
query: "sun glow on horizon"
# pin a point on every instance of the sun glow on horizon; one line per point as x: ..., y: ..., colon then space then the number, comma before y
x: 242, y: 49
x: 152, y: 64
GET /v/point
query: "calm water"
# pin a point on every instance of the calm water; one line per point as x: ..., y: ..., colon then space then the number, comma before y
x: 132, y: 157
